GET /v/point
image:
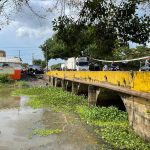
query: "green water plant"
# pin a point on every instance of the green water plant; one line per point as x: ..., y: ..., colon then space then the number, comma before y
x: 21, y: 84
x: 46, y: 132
x: 55, y: 98
x: 109, y: 123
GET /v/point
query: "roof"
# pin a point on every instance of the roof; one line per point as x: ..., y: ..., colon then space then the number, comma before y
x: 10, y: 60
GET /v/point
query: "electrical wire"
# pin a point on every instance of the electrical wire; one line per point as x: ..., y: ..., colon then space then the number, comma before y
x: 124, y: 61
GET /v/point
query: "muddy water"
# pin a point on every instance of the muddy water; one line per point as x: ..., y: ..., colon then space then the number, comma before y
x: 17, y: 122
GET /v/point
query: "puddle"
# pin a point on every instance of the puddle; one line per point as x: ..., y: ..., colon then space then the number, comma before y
x: 18, y: 123
x: 6, y: 100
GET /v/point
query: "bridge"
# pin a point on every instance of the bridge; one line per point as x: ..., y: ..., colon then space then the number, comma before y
x: 129, y: 91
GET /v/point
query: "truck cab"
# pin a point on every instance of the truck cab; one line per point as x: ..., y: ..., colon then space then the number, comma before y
x: 82, y: 63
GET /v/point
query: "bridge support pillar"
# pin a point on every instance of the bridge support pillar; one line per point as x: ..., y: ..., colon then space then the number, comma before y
x: 138, y: 114
x: 57, y: 82
x: 63, y: 84
x: 68, y: 85
x: 92, y: 96
x: 82, y: 88
x: 74, y: 87
x: 49, y: 79
x: 52, y: 79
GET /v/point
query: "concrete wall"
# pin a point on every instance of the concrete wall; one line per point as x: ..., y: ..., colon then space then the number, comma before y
x: 139, y: 115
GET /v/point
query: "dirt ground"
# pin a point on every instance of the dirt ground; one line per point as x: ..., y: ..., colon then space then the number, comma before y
x: 35, y: 80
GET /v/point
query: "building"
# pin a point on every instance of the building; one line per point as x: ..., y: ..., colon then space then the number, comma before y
x: 10, y: 66
x: 2, y: 53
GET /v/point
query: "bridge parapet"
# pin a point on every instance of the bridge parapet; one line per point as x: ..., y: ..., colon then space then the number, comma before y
x: 138, y: 81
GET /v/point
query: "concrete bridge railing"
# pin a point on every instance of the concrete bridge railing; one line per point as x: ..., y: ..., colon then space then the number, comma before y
x: 128, y: 91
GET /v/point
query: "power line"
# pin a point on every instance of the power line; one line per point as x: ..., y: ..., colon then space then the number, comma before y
x: 126, y: 60
x: 19, y: 47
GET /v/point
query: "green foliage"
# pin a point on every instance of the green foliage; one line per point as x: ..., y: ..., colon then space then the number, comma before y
x: 5, y: 78
x: 123, y: 53
x: 21, y: 84
x: 56, y: 66
x: 131, y: 53
x: 110, y: 123
x: 123, y: 137
x: 116, y: 21
x: 46, y: 132
x: 75, y: 36
x: 100, y: 24
x: 24, y: 65
x: 148, y: 111
x: 35, y: 103
x: 54, y: 48
x: 52, y: 97
x: 39, y: 62
x: 102, y: 113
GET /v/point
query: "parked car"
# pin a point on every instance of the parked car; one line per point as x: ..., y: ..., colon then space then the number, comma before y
x: 144, y: 68
x: 115, y: 68
x: 35, y: 69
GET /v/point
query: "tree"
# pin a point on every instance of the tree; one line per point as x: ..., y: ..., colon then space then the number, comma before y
x: 53, y: 48
x: 56, y: 66
x: 74, y: 35
x: 39, y: 62
x: 8, y: 7
x: 100, y: 25
x: 115, y: 22
x: 123, y: 53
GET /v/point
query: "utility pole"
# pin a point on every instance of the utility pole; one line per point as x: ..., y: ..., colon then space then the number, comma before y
x: 32, y: 58
x: 19, y: 53
x: 46, y: 59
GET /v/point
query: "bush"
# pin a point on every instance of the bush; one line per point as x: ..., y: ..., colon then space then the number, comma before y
x: 4, y: 78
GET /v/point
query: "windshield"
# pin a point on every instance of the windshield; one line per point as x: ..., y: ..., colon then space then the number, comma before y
x: 83, y: 63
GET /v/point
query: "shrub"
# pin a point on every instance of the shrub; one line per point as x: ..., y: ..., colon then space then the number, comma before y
x: 4, y: 78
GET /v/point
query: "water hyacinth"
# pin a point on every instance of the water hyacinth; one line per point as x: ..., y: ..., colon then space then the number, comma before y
x: 46, y: 132
x: 110, y: 123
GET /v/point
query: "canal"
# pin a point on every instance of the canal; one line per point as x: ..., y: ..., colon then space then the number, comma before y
x: 19, y: 122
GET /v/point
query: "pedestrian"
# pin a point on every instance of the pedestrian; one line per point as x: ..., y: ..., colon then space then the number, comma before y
x: 147, y: 62
x: 105, y: 68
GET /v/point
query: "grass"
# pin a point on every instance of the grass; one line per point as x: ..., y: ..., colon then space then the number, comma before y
x: 21, y: 84
x: 6, y: 81
x: 110, y: 123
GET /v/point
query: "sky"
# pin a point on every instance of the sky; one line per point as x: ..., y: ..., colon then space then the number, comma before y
x: 26, y: 32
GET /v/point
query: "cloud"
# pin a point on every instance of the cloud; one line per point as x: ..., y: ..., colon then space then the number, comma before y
x: 36, y: 23
x: 33, y: 33
x: 35, y: 20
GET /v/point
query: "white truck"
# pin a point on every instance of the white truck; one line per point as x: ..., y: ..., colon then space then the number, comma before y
x: 79, y: 63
